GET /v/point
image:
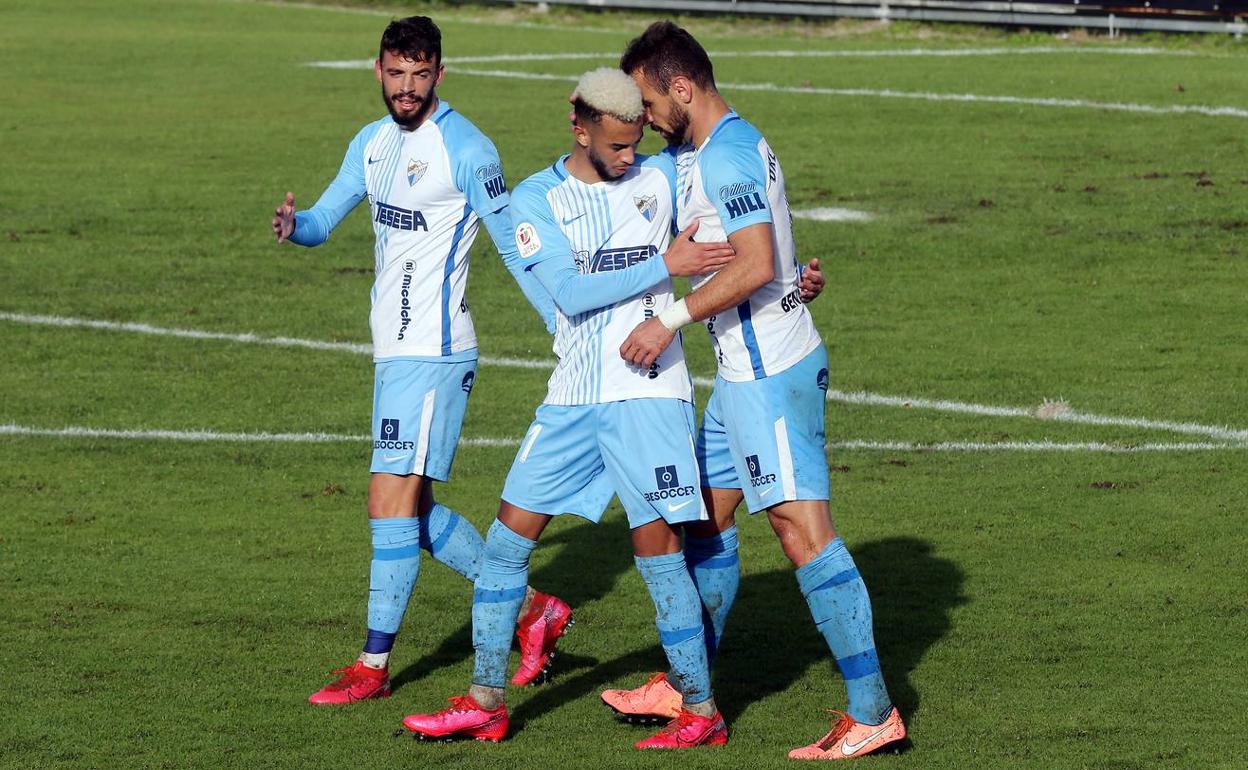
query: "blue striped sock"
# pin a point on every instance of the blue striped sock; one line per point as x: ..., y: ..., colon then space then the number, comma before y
x: 452, y: 540
x: 842, y: 611
x: 716, y: 571
x: 496, y: 602
x: 678, y: 615
x: 395, y: 565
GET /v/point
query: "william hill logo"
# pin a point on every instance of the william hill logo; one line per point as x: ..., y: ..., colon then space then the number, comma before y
x: 741, y: 198
x: 491, y: 177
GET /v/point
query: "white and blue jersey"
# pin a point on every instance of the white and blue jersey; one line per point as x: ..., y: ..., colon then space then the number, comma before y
x: 605, y: 425
x: 428, y: 190
x: 601, y: 246
x: 731, y: 182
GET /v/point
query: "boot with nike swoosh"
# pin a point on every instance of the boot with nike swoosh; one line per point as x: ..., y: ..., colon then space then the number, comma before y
x: 850, y: 738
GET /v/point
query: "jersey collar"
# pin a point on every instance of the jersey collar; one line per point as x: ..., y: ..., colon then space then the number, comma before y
x: 725, y: 120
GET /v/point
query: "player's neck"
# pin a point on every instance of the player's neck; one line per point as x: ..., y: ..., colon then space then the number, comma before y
x: 580, y: 167
x: 704, y: 115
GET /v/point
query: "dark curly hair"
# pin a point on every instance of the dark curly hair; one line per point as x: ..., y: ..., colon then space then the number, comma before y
x: 665, y: 51
x: 416, y: 38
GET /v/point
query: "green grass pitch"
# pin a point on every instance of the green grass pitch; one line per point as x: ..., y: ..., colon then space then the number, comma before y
x: 171, y: 604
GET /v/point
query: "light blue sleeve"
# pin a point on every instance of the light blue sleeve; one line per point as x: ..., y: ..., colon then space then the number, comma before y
x: 498, y: 224
x: 546, y: 252
x: 735, y: 180
x: 313, y: 226
x: 475, y: 165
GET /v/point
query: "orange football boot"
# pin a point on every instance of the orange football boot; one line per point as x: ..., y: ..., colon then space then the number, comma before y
x: 850, y: 738
x: 654, y: 701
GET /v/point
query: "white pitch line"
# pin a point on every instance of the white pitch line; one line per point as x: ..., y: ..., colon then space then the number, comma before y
x: 929, y: 96
x: 1031, y: 446
x: 199, y: 436
x: 153, y: 434
x: 859, y: 398
x: 832, y: 215
x: 887, y: 53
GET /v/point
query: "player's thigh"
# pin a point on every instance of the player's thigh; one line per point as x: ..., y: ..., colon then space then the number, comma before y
x: 775, y: 429
x: 558, y: 468
x: 418, y: 413
x: 648, y: 449
x: 715, y: 464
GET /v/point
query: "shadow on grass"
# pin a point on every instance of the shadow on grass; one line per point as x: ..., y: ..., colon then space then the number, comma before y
x: 771, y: 642
x: 588, y: 563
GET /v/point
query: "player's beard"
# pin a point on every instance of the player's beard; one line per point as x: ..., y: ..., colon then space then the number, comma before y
x: 604, y: 171
x: 423, y: 105
x: 676, y: 134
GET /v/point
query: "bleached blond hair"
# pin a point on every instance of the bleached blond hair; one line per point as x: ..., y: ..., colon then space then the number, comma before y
x: 610, y: 91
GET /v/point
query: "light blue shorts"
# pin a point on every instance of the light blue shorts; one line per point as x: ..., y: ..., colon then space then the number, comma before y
x: 573, y: 458
x: 770, y: 434
x: 418, y: 412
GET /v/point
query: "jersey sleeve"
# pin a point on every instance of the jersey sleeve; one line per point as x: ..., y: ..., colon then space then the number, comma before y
x: 477, y: 170
x: 734, y: 178
x: 313, y: 226
x: 546, y: 252
x: 499, y: 227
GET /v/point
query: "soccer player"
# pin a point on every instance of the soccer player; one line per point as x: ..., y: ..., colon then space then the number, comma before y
x: 431, y: 179
x: 593, y: 228
x: 762, y: 434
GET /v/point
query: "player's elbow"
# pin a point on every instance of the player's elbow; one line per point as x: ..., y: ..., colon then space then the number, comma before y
x: 761, y: 273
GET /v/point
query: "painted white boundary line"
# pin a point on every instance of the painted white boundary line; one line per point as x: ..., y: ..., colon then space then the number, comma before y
x: 930, y: 96
x: 859, y: 397
x: 832, y: 215
x: 885, y: 53
x: 152, y: 434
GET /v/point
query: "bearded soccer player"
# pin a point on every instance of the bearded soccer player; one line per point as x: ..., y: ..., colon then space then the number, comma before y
x: 593, y: 228
x: 762, y: 434
x: 431, y: 179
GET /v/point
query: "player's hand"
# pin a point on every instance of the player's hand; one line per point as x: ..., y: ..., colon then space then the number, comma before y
x: 284, y: 218
x: 646, y: 343
x: 812, y: 282
x: 685, y: 256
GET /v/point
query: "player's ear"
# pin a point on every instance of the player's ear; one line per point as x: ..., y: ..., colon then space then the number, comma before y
x: 437, y: 81
x: 581, y: 135
x: 377, y: 69
x: 682, y: 89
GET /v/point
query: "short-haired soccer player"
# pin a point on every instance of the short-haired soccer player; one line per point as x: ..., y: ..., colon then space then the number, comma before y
x: 762, y: 434
x: 593, y: 228
x: 431, y: 179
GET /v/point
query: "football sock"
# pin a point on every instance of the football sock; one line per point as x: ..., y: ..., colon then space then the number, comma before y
x: 716, y: 571
x: 496, y: 600
x: 395, y: 565
x: 488, y: 698
x: 452, y: 540
x: 842, y: 611
x: 678, y: 615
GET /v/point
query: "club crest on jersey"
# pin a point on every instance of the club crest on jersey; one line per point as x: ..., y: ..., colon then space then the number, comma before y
x: 415, y: 170
x: 647, y: 206
x: 526, y: 239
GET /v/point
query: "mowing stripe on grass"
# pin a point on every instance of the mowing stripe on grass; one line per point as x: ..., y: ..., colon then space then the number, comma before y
x: 154, y: 434
x: 859, y: 397
x: 930, y: 96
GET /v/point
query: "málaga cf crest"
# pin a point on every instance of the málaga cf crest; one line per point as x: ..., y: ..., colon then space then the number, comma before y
x: 415, y: 170
x: 647, y: 206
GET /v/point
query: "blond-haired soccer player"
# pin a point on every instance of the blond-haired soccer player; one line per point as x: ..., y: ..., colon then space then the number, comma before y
x: 594, y: 228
